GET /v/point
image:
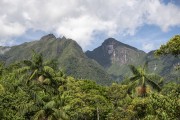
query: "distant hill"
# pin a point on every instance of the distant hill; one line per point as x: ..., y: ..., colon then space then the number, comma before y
x: 164, y: 66
x: 115, y: 57
x: 68, y: 53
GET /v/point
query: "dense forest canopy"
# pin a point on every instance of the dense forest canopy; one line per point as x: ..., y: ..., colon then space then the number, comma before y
x: 37, y: 90
x: 172, y: 47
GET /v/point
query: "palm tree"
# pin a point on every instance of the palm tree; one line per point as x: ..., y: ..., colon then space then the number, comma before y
x: 45, y: 73
x: 37, y: 68
x: 52, y: 82
x: 141, y: 78
x: 51, y: 110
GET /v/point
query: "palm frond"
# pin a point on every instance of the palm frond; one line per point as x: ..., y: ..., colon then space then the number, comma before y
x: 27, y: 62
x: 145, y: 66
x: 50, y: 105
x: 153, y: 84
x: 131, y: 87
x: 33, y: 74
x: 134, y: 70
x: 51, y: 117
x: 60, y: 114
x: 47, y: 81
x: 22, y: 70
x: 134, y: 78
x: 59, y: 73
x: 52, y: 63
x: 37, y: 58
x: 40, y: 114
x: 49, y: 70
x: 161, y: 82
x: 158, y: 78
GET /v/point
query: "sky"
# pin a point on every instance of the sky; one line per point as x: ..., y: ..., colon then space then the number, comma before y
x: 145, y: 24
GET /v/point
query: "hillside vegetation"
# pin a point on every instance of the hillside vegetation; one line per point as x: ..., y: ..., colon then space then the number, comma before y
x: 36, y: 89
x: 115, y: 57
x: 67, y: 53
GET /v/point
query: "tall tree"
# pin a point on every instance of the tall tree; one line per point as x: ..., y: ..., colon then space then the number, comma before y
x: 38, y: 69
x: 171, y: 47
x: 141, y: 78
x: 51, y: 110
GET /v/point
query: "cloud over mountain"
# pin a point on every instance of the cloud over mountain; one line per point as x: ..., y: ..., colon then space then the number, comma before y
x: 83, y: 19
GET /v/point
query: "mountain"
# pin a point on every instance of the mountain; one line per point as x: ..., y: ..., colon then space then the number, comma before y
x: 164, y: 66
x: 115, y: 57
x: 105, y: 63
x: 67, y: 52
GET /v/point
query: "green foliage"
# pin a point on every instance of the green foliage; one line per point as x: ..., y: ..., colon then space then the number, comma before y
x: 60, y: 97
x: 61, y: 53
x: 172, y: 47
x: 141, y: 78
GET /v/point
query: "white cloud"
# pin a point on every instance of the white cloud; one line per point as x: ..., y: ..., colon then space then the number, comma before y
x: 10, y: 28
x: 82, y: 28
x: 6, y: 42
x: 148, y: 46
x: 165, y: 16
x: 81, y: 19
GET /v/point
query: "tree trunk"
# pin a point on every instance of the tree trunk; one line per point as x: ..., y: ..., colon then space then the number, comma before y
x: 97, y: 110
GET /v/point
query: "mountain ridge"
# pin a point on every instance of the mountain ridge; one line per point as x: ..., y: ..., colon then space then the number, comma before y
x: 71, y: 59
x: 115, y: 57
x: 108, y: 61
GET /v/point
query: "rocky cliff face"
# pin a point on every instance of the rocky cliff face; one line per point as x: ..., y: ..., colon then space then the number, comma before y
x: 115, y: 57
x: 164, y: 66
x: 114, y: 52
x: 110, y: 59
x: 3, y: 50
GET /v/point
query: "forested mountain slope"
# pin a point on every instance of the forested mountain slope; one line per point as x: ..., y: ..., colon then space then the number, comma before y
x: 67, y: 52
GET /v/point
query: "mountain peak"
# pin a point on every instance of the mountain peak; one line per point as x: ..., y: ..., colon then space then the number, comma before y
x: 112, y: 52
x: 47, y: 37
x: 63, y: 38
x: 110, y: 41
